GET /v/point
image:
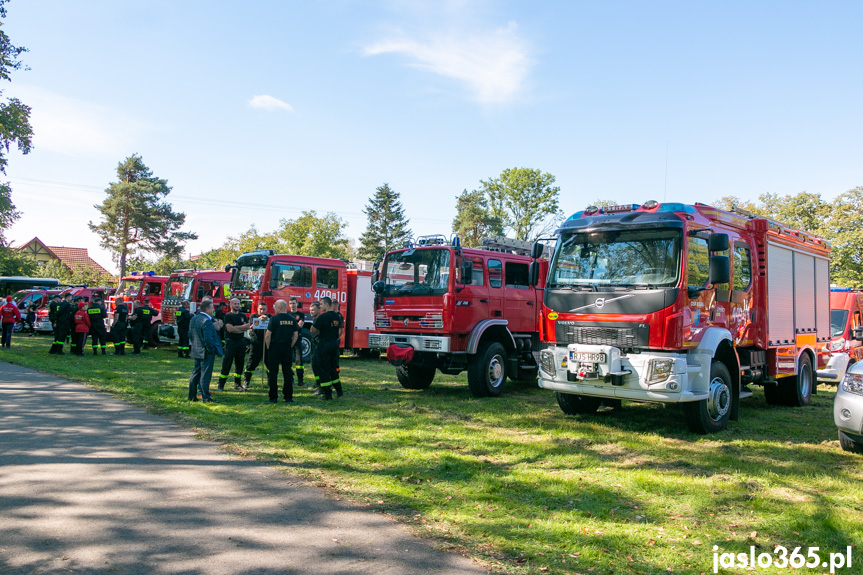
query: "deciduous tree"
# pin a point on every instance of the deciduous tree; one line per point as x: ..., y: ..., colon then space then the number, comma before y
x: 525, y: 201
x: 135, y: 218
x: 313, y: 235
x: 387, y: 225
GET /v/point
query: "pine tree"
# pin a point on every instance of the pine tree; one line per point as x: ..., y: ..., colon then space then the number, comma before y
x: 387, y: 228
x: 134, y: 218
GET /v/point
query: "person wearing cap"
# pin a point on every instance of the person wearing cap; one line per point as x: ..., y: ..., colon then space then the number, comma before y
x: 82, y: 327
x: 53, y: 309
x: 9, y: 315
x: 145, y: 315
x: 98, y: 335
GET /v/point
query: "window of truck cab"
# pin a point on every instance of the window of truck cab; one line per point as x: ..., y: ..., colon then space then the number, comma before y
x: 742, y: 267
x: 327, y: 278
x: 412, y: 272
x: 292, y: 275
x: 697, y: 262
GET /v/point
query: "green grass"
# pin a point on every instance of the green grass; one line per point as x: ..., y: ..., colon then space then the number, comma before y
x: 516, y: 484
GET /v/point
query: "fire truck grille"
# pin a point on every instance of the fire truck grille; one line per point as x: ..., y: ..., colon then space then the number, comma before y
x: 622, y: 337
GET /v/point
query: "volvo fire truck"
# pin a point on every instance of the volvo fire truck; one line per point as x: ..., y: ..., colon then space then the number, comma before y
x: 443, y: 307
x: 191, y: 286
x: 675, y: 303
x: 265, y: 277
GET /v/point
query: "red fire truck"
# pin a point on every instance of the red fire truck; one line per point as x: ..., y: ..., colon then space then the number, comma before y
x: 675, y: 303
x: 192, y: 286
x: 136, y: 287
x: 264, y: 276
x: 455, y: 309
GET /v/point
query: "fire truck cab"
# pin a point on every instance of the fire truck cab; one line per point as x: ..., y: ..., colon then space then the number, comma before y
x: 135, y: 287
x: 191, y: 286
x: 441, y: 306
x: 846, y: 315
x: 676, y: 303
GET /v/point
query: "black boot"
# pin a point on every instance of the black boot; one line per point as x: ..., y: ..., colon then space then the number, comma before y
x: 104, y: 352
x: 179, y: 353
x: 338, y: 387
x: 222, y: 380
x: 95, y: 351
x: 326, y: 392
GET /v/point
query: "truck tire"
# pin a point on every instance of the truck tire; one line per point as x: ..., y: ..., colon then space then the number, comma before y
x: 848, y: 444
x: 486, y: 371
x: 572, y: 404
x: 797, y: 390
x: 415, y: 376
x: 306, y: 346
x: 711, y: 415
x: 154, y: 334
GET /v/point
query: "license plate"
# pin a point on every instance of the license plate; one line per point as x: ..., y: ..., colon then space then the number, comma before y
x: 585, y: 357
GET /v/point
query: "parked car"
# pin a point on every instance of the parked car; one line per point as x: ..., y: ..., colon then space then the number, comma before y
x: 848, y: 409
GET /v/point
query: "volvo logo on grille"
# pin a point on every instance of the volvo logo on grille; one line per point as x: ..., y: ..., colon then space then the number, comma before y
x: 600, y: 301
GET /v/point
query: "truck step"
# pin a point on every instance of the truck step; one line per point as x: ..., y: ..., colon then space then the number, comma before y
x: 745, y: 392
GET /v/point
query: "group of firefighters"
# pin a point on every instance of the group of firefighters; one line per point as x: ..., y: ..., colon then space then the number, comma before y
x: 272, y: 339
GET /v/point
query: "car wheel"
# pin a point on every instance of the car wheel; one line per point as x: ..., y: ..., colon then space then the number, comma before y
x: 847, y: 443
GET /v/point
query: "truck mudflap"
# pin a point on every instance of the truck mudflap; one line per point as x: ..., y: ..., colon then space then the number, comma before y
x: 834, y: 371
x: 399, y: 354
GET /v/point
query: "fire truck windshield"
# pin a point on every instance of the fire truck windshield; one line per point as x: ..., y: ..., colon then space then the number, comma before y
x: 417, y: 272
x: 625, y: 258
x: 838, y: 322
x: 248, y: 278
x: 130, y: 287
x: 179, y: 288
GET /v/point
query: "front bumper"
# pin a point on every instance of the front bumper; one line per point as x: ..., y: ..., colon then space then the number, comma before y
x: 43, y: 326
x: 834, y: 372
x: 625, y: 376
x: 418, y: 342
x: 848, y: 412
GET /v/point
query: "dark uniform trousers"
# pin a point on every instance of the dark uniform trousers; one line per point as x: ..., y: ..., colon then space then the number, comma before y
x: 183, y: 347
x: 235, y: 352
x: 280, y: 355
x: 137, y: 337
x: 325, y: 365
x: 118, y: 334
x: 61, y: 333
x: 256, y: 353
x: 298, y: 359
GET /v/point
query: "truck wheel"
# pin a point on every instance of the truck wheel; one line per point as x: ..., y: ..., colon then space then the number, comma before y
x: 848, y: 444
x: 711, y: 415
x: 486, y: 372
x: 797, y: 390
x: 306, y: 346
x: 415, y: 376
x: 154, y: 334
x: 572, y: 404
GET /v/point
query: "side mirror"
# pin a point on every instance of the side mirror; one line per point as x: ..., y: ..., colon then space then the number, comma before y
x: 533, y: 273
x: 717, y: 243
x: 857, y: 333
x: 274, y: 283
x: 536, y: 250
x: 720, y: 269
x: 376, y: 271
x: 378, y: 287
x: 467, y: 272
x: 200, y: 293
x: 227, y: 267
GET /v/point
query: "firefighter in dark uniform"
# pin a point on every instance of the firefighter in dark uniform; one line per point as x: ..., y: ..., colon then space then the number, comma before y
x: 97, y: 314
x: 336, y: 308
x: 148, y: 314
x: 65, y: 319
x: 236, y: 325
x: 53, y: 309
x: 182, y: 317
x: 142, y: 323
x: 315, y: 311
x: 118, y: 329
x: 256, y: 352
x: 279, y: 343
x: 325, y: 361
x: 293, y: 305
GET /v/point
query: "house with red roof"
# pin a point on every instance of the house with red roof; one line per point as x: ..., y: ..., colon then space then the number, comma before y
x: 72, y: 258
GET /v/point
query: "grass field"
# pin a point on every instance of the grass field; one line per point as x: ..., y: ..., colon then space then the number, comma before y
x: 517, y: 485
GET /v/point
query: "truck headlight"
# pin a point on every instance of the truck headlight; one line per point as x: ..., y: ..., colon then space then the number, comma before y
x: 837, y: 344
x: 659, y: 370
x: 853, y: 383
x: 546, y: 361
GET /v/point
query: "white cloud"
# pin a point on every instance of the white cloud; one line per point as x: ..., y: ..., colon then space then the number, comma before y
x: 77, y: 128
x: 493, y: 66
x: 266, y: 102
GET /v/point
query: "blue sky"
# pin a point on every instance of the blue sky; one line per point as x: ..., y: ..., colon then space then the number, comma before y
x: 255, y: 111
